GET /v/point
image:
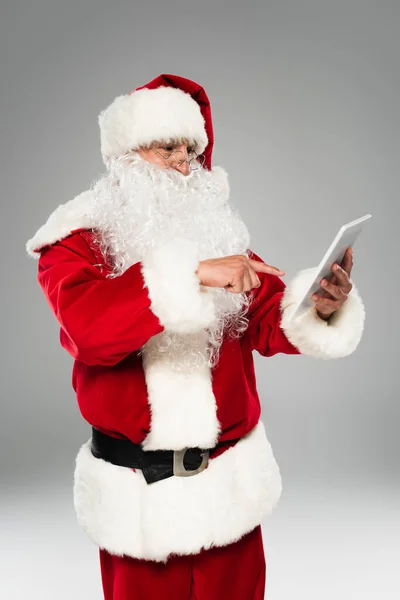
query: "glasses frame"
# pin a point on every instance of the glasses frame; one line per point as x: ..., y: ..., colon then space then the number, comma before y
x: 189, y: 161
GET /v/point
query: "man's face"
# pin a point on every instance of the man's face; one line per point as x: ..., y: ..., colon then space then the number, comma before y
x: 168, y: 156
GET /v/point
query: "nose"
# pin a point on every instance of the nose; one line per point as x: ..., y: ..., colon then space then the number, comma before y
x: 183, y: 168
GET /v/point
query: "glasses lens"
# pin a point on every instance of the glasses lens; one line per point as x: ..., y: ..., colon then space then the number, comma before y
x: 176, y: 159
x: 197, y: 162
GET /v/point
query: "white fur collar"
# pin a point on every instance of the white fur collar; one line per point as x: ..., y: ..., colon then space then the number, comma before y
x: 79, y: 213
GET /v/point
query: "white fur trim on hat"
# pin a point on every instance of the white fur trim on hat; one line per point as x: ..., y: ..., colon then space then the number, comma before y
x: 314, y: 336
x: 180, y: 515
x: 145, y: 116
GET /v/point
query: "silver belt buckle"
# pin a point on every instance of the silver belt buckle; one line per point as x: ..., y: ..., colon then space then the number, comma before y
x: 179, y: 467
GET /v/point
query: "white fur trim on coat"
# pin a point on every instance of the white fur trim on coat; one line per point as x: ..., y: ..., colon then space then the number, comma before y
x: 145, y: 116
x: 178, y: 377
x: 80, y: 212
x: 182, y: 304
x: 74, y: 214
x: 123, y: 514
x: 178, y: 299
x: 314, y: 336
x: 180, y: 395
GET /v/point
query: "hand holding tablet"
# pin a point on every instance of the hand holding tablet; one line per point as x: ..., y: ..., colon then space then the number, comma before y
x: 344, y: 239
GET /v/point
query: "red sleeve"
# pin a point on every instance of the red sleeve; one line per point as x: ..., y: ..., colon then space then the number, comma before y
x: 264, y: 331
x: 102, y: 319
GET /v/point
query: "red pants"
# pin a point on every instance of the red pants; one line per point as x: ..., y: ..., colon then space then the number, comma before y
x: 233, y: 572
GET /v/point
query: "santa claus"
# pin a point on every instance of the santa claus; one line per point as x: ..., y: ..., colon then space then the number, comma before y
x: 161, y: 303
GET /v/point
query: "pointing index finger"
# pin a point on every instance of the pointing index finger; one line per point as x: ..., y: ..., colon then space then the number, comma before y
x: 264, y: 268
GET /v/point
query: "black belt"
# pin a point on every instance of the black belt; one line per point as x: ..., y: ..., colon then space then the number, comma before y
x: 155, y: 464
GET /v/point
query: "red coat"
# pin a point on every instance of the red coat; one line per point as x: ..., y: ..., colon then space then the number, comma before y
x: 104, y: 322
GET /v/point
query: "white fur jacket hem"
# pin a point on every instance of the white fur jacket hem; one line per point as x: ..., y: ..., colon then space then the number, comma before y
x: 180, y: 515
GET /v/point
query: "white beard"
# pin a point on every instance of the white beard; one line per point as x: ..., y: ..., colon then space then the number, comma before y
x: 139, y: 205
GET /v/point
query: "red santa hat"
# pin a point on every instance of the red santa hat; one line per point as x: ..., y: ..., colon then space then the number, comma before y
x: 166, y: 108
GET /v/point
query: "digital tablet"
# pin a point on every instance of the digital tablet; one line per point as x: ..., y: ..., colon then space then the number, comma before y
x: 345, y: 238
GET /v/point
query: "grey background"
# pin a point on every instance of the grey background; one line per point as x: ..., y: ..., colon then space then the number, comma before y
x: 305, y: 100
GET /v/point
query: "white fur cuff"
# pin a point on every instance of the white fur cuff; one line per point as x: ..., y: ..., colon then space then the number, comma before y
x: 178, y: 299
x: 314, y: 336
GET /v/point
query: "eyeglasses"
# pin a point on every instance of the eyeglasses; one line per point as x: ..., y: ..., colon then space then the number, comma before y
x: 176, y: 158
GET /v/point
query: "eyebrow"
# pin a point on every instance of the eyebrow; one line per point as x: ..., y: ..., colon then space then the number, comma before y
x: 173, y: 142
